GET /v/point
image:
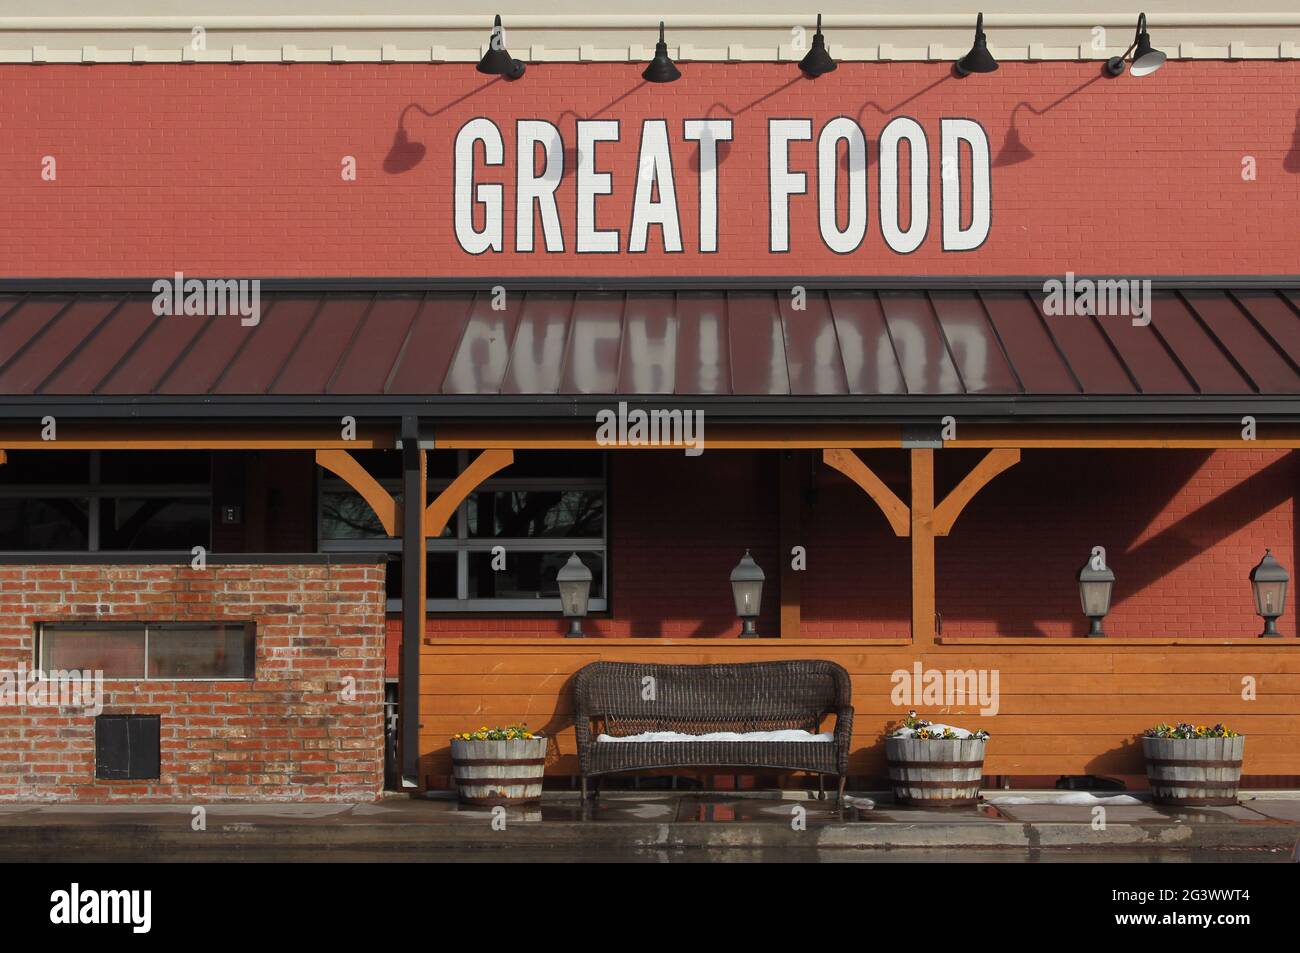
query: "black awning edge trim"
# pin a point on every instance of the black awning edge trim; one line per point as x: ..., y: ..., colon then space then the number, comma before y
x: 731, y: 408
x: 655, y: 283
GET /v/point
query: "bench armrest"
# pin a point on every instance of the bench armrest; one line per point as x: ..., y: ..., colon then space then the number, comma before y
x: 582, y: 729
x: 843, y: 735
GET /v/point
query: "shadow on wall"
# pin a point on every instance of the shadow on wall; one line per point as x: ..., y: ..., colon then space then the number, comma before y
x: 1165, y: 518
x: 1014, y: 151
x: 678, y: 526
x: 1292, y: 161
x: 435, y: 759
x: 406, y: 153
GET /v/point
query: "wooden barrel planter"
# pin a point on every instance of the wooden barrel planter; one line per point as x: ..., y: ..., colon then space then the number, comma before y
x: 499, y: 772
x: 1194, y: 772
x: 935, y: 773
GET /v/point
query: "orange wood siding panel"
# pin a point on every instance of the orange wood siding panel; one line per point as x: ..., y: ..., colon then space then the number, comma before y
x: 1075, y: 709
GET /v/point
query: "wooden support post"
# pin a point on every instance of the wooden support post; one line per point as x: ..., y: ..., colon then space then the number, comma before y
x: 414, y: 491
x: 923, y: 520
x: 923, y: 586
x: 791, y: 502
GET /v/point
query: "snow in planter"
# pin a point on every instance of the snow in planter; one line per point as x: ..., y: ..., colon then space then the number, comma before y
x: 919, y: 728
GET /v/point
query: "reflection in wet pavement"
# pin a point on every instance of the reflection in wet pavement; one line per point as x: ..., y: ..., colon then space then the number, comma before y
x: 725, y: 809
x: 669, y: 827
x: 649, y: 855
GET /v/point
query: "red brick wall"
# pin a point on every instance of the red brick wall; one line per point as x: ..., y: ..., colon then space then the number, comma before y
x: 677, y: 527
x: 1182, y: 529
x: 235, y: 170
x: 289, y: 734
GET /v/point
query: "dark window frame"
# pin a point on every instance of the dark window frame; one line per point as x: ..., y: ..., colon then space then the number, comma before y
x: 461, y: 544
x: 95, y: 490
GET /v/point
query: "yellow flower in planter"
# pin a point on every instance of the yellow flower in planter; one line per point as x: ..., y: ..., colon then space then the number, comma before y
x: 500, y: 733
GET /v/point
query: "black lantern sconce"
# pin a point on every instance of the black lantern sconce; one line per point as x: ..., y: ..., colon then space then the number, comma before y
x: 574, y: 581
x: 747, y: 591
x: 496, y: 61
x: 1096, y: 582
x: 979, y: 59
x: 1146, y: 58
x: 1269, y: 581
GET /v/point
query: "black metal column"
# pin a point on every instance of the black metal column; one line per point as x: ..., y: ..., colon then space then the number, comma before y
x: 413, y: 493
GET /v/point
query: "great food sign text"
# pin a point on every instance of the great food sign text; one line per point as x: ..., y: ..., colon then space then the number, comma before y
x: 848, y: 200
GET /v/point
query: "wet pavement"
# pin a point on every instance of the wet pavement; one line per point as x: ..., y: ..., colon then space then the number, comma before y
x: 661, y: 827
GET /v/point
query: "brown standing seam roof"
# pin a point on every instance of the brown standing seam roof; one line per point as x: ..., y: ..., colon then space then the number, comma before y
x: 700, y: 343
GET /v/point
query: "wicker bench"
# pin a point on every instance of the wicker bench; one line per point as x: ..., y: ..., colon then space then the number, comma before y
x: 628, y: 698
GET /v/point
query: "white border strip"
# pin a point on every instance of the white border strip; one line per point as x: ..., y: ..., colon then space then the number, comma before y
x: 577, y: 38
x: 598, y: 21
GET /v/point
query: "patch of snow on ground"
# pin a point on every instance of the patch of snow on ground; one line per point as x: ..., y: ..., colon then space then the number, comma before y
x: 1073, y: 797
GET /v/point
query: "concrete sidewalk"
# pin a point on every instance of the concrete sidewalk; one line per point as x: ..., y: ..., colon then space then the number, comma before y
x: 668, y: 825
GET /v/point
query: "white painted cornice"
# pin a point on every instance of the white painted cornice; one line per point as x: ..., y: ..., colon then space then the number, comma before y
x: 569, y: 35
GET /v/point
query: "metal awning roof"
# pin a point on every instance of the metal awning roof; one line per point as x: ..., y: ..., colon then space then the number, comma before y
x: 850, y: 353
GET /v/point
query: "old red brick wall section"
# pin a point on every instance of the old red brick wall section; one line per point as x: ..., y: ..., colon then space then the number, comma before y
x: 294, y: 732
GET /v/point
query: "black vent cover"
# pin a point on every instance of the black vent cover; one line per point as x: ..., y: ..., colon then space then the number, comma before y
x: 128, y: 747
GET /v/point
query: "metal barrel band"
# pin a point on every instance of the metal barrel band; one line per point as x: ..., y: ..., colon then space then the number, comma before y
x: 494, y: 762
x: 1162, y: 783
x: 1174, y: 763
x: 938, y: 802
x: 935, y: 764
x: 965, y: 783
x: 496, y: 801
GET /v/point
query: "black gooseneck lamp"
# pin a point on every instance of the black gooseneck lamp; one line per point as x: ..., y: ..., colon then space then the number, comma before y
x: 661, y: 69
x: 1146, y: 59
x: 979, y: 59
x: 496, y: 61
x: 817, y: 61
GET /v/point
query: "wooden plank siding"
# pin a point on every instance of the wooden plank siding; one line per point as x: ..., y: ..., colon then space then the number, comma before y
x: 1076, y: 707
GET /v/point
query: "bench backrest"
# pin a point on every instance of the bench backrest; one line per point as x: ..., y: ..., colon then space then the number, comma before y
x: 632, y: 697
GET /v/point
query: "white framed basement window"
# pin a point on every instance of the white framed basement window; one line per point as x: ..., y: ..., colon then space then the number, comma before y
x: 543, y: 507
x: 150, y: 651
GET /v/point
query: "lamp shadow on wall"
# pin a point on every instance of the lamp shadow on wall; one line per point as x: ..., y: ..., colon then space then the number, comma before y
x: 847, y: 164
x: 721, y: 147
x: 1013, y: 150
x: 572, y: 157
x: 718, y: 110
x: 406, y: 153
x: 1292, y: 161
